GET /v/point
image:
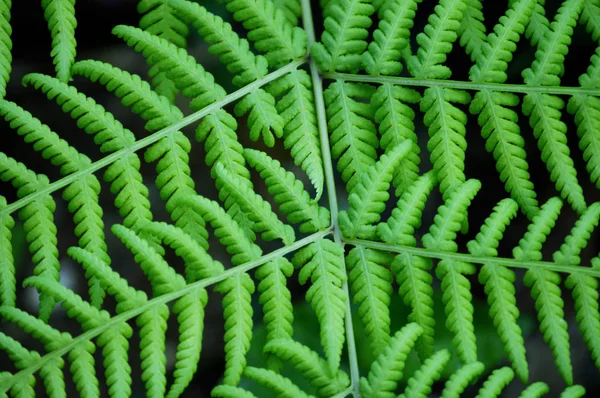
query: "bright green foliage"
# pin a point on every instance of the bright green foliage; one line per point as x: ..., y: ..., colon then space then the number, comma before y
x: 387, y: 369
x: 60, y: 15
x: 5, y: 45
x: 269, y: 30
x: 390, y: 38
x: 315, y: 369
x: 288, y: 193
x: 300, y: 131
x: 349, y: 102
x: 353, y: 137
x: 344, y: 39
x: 322, y: 262
x: 371, y: 283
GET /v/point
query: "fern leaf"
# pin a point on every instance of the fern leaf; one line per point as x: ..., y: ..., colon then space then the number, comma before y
x: 353, y: 137
x: 263, y: 118
x: 190, y: 316
x: 545, y: 289
x: 436, y: 40
x: 472, y: 30
x: 344, y: 39
x: 80, y: 357
x: 498, y: 282
x: 450, y: 216
x: 406, y: 217
x: 322, y: 262
x: 281, y: 385
x: 233, y: 51
x: 300, y: 132
x: 5, y: 45
x: 292, y: 10
x: 227, y: 391
x: 576, y: 391
x: 590, y: 17
x: 257, y: 209
x: 124, y: 175
x: 268, y: 28
x: 153, y: 326
x: 237, y: 311
x: 419, y: 385
x: 60, y: 15
x: 160, y: 19
x: 367, y: 199
x: 494, y: 384
x: 276, y: 300
x: 501, y: 131
x: 39, y: 227
x: 395, y: 120
x: 415, y: 286
x: 458, y: 382
x: 8, y: 283
x: 238, y: 244
x: 447, y: 143
x: 314, y: 369
x: 586, y: 110
x: 289, y: 193
x: 81, y: 194
x: 537, y: 389
x: 390, y: 38
x: 198, y: 263
x: 386, y: 370
x: 538, y: 25
x: 371, y: 284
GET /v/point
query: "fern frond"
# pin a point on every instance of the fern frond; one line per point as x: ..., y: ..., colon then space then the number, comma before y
x: 344, y: 39
x: 496, y: 382
x: 259, y: 211
x: 80, y: 357
x: 586, y: 109
x: 419, y: 385
x: 153, y: 327
x: 447, y: 143
x: 386, y: 370
x: 237, y: 310
x: 8, y: 282
x: 314, y: 369
x: 584, y: 288
x: 590, y: 17
x: 60, y: 15
x: 322, y: 262
x: 268, y: 28
x: 371, y: 284
x: 292, y: 10
x: 415, y: 286
x: 498, y: 282
x: 5, y: 45
x: 301, y: 135
x: 576, y: 391
x: 160, y: 19
x: 472, y: 30
x: 545, y: 289
x: 124, y: 175
x: 238, y: 244
x: 81, y: 194
x: 352, y: 133
x: 227, y: 391
x: 436, y: 40
x: 276, y: 300
x: 390, y: 38
x: 368, y: 198
x: 263, y: 118
x: 406, y: 217
x: 458, y: 382
x: 538, y: 25
x: 535, y: 390
x: 233, y: 51
x: 500, y: 129
x: 395, y: 120
x: 38, y: 218
x: 288, y: 193
x: 281, y: 385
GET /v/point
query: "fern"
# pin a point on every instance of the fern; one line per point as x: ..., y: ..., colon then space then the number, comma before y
x: 310, y: 162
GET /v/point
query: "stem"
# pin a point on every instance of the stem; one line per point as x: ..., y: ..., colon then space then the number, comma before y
x: 331, y: 190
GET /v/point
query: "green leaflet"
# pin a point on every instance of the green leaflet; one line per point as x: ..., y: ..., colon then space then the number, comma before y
x: 5, y: 45
x: 60, y: 15
x: 8, y: 283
